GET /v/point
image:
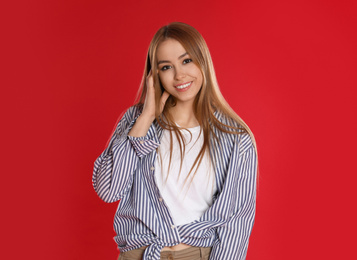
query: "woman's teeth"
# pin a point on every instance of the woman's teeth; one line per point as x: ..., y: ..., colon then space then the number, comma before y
x: 184, y: 86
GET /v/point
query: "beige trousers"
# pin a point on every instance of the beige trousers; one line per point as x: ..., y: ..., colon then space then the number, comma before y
x: 192, y: 253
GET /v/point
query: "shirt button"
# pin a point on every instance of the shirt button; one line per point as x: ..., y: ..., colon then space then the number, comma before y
x: 152, y: 168
x: 173, y: 226
x: 141, y: 142
x: 160, y: 199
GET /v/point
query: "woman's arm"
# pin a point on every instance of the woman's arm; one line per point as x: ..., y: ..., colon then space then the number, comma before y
x: 133, y: 138
x: 114, y: 168
x: 233, y: 237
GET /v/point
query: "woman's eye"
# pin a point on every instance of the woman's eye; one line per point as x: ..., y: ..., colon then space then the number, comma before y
x: 187, y: 61
x: 165, y: 68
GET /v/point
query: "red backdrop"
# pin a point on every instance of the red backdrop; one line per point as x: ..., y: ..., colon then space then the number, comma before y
x: 70, y: 68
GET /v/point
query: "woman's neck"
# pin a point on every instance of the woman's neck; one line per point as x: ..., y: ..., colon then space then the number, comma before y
x: 183, y: 115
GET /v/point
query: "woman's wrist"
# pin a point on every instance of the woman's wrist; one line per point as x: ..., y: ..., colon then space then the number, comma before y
x: 149, y: 117
x: 141, y: 126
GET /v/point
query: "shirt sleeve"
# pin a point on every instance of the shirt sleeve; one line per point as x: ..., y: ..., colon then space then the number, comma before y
x: 114, y: 168
x: 233, y: 235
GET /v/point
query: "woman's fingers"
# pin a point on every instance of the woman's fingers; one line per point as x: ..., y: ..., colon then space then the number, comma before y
x: 150, y: 79
x: 149, y: 105
x: 163, y: 99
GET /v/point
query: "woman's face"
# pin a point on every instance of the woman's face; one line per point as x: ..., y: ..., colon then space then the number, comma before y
x: 178, y: 74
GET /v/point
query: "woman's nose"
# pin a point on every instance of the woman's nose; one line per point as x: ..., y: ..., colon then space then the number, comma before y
x: 179, y: 74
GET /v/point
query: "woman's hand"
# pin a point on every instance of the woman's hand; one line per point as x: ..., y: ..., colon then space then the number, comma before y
x: 146, y: 118
x: 149, y: 104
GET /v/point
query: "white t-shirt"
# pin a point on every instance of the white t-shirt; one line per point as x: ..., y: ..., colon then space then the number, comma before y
x: 186, y: 201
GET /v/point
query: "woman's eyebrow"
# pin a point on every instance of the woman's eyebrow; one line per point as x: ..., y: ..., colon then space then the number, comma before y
x: 166, y: 61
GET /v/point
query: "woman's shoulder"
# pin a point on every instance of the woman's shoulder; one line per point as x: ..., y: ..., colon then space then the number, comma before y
x: 229, y: 123
x: 132, y: 112
x: 236, y: 133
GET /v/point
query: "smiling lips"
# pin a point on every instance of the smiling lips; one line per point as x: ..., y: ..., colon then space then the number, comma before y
x: 184, y: 86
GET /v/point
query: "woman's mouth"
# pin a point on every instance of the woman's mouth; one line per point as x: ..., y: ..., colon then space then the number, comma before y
x: 183, y: 87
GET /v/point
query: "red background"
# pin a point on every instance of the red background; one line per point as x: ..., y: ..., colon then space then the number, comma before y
x: 70, y: 68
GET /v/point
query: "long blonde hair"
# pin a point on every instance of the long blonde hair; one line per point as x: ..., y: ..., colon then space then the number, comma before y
x: 208, y: 100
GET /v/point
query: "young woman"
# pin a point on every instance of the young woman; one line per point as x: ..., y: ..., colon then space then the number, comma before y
x: 181, y: 161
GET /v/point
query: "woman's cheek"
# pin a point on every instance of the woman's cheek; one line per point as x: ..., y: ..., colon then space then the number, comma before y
x: 165, y: 82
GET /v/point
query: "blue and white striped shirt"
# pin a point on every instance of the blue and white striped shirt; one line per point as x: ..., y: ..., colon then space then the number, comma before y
x: 125, y: 171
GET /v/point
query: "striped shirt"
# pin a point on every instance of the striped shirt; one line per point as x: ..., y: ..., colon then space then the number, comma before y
x: 125, y: 171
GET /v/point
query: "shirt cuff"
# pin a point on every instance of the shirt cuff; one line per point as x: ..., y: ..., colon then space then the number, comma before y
x: 144, y: 145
